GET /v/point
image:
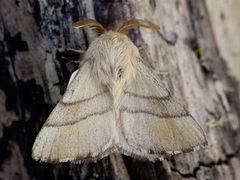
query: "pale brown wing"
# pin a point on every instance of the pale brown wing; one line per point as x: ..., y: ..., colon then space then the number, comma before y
x: 152, y: 123
x: 82, y: 125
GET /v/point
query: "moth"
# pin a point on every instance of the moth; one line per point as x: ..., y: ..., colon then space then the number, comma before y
x: 115, y: 103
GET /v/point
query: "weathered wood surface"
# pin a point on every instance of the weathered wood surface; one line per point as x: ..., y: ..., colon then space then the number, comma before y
x: 204, y: 71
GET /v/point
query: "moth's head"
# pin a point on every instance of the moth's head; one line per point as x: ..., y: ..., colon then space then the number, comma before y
x: 109, y: 42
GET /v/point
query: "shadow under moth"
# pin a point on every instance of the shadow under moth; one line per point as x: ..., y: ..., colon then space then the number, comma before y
x: 115, y: 103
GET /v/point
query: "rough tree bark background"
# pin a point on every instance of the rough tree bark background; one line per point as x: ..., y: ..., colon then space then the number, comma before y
x: 204, y: 67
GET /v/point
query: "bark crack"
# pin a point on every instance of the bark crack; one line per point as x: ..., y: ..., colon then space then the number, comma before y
x: 209, y: 165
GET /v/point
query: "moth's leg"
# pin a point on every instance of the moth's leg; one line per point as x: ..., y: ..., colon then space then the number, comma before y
x: 76, y: 51
x: 168, y: 81
x: 70, y: 60
x: 142, y: 47
x: 163, y: 73
x: 79, y: 51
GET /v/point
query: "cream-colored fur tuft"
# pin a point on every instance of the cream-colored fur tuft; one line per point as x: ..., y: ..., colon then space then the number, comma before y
x: 113, y: 58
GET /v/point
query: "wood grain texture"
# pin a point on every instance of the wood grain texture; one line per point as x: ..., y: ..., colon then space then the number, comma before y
x: 33, y: 77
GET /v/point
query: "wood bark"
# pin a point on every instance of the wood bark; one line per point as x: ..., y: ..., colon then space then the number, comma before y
x: 198, y: 44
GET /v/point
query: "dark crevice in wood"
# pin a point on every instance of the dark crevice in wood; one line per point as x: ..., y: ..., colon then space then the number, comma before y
x: 63, y: 72
x: 12, y: 51
x: 209, y: 165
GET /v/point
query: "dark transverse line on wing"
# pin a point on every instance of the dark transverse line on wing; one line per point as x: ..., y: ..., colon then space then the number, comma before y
x: 80, y: 119
x: 127, y: 93
x: 122, y: 110
x: 163, y: 98
x: 81, y: 100
x: 155, y: 114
